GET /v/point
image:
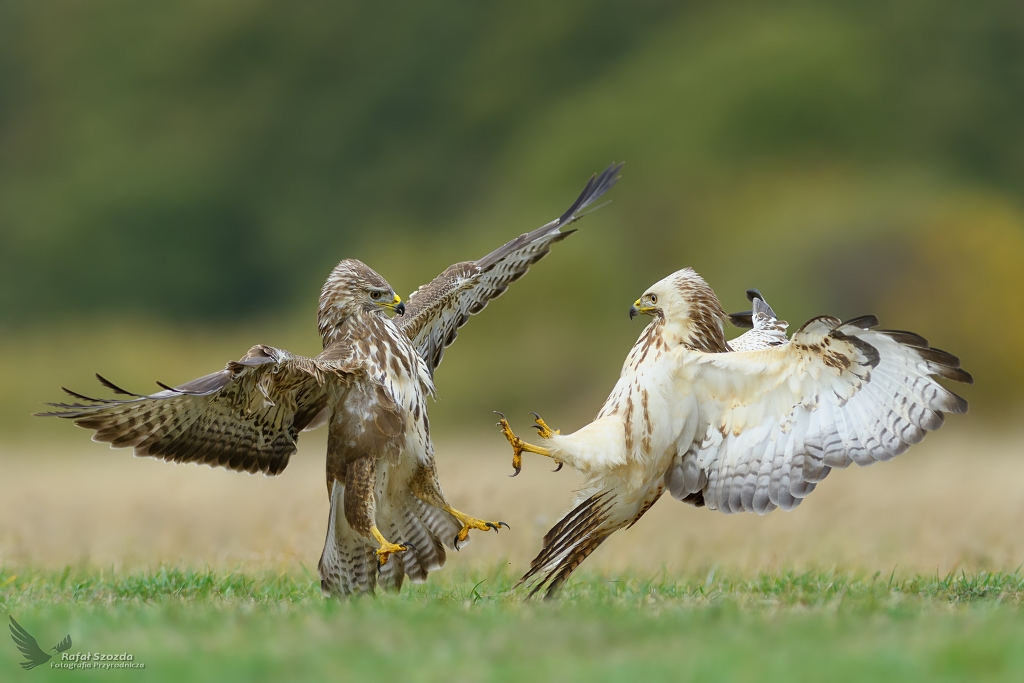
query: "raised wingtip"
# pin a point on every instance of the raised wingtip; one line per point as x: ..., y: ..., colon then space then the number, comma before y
x: 595, y: 187
x: 113, y: 387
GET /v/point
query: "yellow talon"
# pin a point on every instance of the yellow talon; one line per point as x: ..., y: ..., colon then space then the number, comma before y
x: 519, y: 446
x: 387, y: 549
x: 471, y: 523
x: 543, y: 431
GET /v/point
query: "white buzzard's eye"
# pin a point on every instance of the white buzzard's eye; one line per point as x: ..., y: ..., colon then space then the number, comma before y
x: 654, y: 298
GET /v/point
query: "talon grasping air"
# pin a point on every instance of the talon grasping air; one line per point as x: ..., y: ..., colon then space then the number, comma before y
x: 519, y: 446
x: 543, y: 431
x: 471, y: 523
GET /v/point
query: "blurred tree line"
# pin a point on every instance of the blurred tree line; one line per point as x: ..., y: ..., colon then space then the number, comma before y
x: 188, y: 170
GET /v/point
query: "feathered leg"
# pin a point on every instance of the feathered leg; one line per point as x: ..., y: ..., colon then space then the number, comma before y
x: 361, y: 505
x: 426, y: 487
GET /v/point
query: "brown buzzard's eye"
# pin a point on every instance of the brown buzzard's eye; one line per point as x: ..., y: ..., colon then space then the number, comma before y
x: 654, y: 298
x: 374, y: 295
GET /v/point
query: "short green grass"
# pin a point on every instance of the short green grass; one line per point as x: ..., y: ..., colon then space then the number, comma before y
x: 226, y: 626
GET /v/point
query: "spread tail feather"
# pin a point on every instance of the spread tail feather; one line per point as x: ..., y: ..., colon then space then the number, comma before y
x: 348, y: 564
x: 569, y: 542
x: 425, y: 528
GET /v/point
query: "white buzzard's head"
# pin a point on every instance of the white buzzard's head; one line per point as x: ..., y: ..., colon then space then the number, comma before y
x: 685, y: 303
x: 352, y: 287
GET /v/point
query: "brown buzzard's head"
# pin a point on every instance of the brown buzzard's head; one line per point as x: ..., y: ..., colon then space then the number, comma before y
x: 685, y: 301
x: 351, y: 287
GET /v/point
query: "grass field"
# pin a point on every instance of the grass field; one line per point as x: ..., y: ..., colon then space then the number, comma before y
x: 226, y: 626
x: 905, y: 571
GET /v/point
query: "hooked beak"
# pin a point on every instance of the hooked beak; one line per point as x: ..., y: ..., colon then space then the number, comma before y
x: 395, y: 305
x: 636, y: 309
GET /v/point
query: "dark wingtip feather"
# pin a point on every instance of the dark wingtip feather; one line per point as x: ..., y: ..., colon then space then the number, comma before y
x: 753, y: 293
x: 865, y: 322
x: 82, y: 397
x: 938, y: 357
x: 595, y: 187
x: 575, y: 206
x: 165, y: 387
x: 113, y: 387
x: 955, y: 374
x: 906, y: 338
x: 959, y: 406
x: 743, y: 319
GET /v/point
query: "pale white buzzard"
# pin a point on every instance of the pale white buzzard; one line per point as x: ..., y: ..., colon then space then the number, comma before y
x: 737, y: 430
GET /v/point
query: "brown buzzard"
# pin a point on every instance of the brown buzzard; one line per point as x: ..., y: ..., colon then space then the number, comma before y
x: 369, y: 386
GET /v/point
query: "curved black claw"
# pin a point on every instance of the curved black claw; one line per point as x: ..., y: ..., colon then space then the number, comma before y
x: 516, y: 473
x: 538, y: 428
x: 535, y: 415
x: 408, y: 545
x: 455, y: 543
x: 504, y: 525
x: 559, y: 467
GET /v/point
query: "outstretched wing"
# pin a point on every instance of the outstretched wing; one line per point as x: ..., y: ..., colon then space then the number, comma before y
x: 246, y: 417
x: 436, y: 311
x: 28, y: 646
x: 64, y: 645
x: 777, y: 420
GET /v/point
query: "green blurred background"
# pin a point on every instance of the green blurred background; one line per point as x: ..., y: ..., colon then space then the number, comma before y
x: 177, y: 179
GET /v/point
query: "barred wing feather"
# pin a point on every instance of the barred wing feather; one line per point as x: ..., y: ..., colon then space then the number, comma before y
x: 777, y: 420
x: 436, y: 311
x: 246, y: 417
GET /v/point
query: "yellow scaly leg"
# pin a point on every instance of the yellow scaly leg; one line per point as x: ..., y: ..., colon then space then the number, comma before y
x: 519, y: 446
x: 471, y: 523
x: 387, y: 548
